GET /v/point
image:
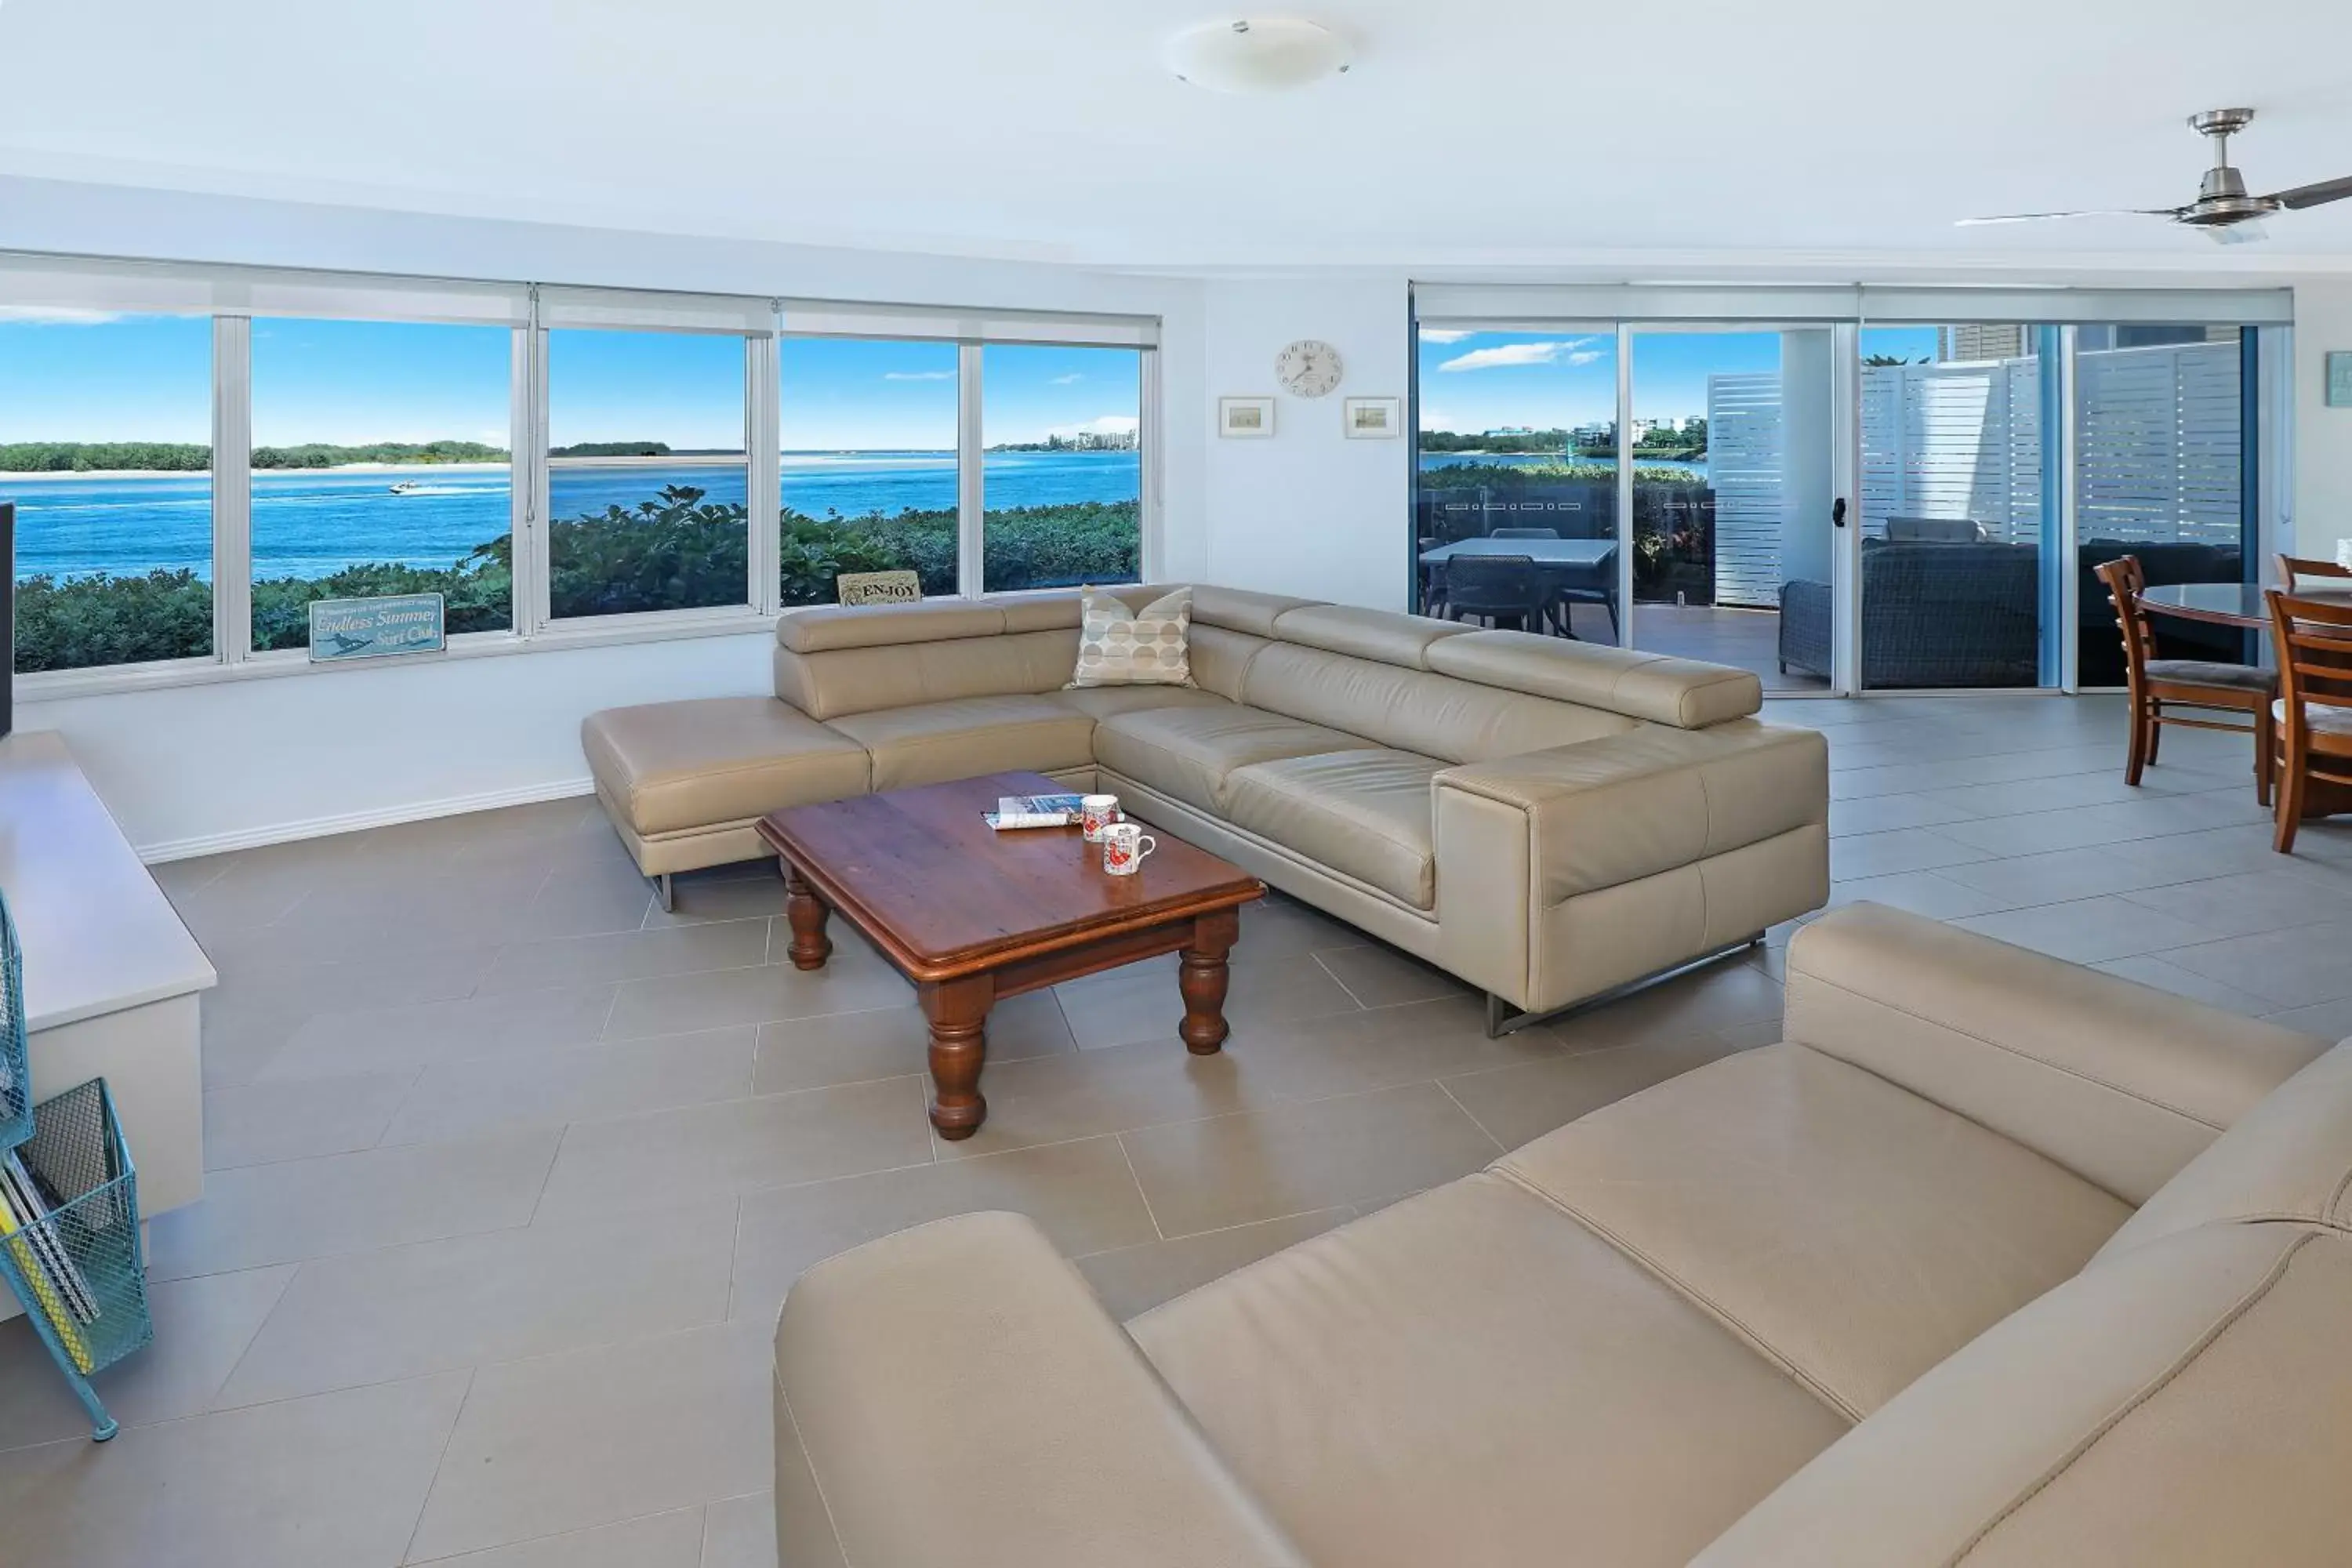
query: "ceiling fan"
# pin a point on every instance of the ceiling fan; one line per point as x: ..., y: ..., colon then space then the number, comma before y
x: 2223, y: 208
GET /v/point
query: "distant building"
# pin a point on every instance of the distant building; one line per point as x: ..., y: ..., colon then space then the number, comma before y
x: 1980, y: 340
x: 1595, y: 434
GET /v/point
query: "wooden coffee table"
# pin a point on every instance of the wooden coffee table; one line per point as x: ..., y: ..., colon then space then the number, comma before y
x: 969, y: 914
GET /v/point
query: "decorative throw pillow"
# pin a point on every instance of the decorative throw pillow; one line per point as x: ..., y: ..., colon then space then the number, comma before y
x: 1120, y: 646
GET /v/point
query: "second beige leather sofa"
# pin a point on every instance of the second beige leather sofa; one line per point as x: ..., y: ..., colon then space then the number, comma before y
x: 1547, y: 819
x: 1992, y: 1260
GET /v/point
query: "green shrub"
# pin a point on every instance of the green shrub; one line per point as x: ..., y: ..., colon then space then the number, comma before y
x: 105, y: 619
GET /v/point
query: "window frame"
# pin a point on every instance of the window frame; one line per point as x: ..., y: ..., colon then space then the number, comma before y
x: 232, y: 296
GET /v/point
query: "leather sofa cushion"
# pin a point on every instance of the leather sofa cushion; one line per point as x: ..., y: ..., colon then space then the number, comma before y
x: 832, y: 682
x: 2288, y: 1158
x: 1383, y: 635
x: 1105, y: 701
x: 1189, y: 753
x: 2182, y: 1404
x: 1469, y: 1378
x: 1413, y: 710
x: 933, y: 742
x: 1242, y: 609
x: 1854, y: 1232
x: 1683, y: 692
x: 1363, y: 814
x: 678, y: 766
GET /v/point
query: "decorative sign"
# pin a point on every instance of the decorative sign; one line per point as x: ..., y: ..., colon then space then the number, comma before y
x: 372, y: 628
x: 2340, y: 379
x: 878, y: 587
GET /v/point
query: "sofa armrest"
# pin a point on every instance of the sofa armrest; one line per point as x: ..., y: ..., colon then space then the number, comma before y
x: 963, y: 1399
x: 1630, y: 805
x: 2119, y: 1082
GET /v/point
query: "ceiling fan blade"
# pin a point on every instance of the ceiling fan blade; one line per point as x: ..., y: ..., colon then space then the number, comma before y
x: 2243, y: 233
x: 2090, y: 212
x: 2312, y: 195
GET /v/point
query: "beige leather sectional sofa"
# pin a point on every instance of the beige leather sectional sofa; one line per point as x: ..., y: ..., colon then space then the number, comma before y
x: 1993, y: 1261
x: 1544, y: 818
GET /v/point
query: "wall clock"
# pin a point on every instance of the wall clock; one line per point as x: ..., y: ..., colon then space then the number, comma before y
x: 1307, y: 368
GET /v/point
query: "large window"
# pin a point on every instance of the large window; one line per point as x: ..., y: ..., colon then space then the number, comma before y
x: 106, y: 448
x: 648, y: 472
x: 1063, y: 475
x: 380, y: 465
x: 869, y: 471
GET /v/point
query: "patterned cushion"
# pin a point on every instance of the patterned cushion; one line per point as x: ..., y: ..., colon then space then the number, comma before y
x: 1120, y: 646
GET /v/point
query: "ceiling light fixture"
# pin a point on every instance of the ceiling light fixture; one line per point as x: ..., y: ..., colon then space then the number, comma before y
x: 1268, y: 55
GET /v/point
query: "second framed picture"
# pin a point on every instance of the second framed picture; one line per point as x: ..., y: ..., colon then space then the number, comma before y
x: 1372, y: 418
x: 1251, y: 417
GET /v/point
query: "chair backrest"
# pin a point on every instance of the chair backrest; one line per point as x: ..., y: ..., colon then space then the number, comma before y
x: 1485, y: 584
x: 2291, y: 567
x: 1935, y: 530
x: 2126, y: 580
x: 2313, y: 641
x: 1525, y: 533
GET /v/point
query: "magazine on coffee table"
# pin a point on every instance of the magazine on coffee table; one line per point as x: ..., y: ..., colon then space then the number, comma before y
x: 1033, y: 811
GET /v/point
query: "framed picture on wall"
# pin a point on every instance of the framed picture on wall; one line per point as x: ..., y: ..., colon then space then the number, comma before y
x: 1372, y: 418
x: 1246, y: 418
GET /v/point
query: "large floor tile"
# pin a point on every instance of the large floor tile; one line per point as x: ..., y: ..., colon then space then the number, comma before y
x: 1140, y: 1001
x: 1133, y: 1279
x: 516, y: 1090
x: 202, y: 1326
x: 330, y: 1482
x: 1904, y: 849
x: 672, y: 1540
x: 893, y: 1042
x: 854, y: 980
x: 1893, y: 813
x: 1297, y: 1158
x: 2300, y: 967
x: 473, y: 1301
x: 598, y: 1437
x: 1082, y: 1193
x: 2153, y: 970
x: 1520, y: 1103
x: 1348, y: 1053
x: 2086, y: 931
x: 295, y: 1118
x: 299, y: 1209
x: 748, y: 892
x: 1085, y: 1094
x: 1380, y: 976
x: 1929, y: 893
x: 1725, y: 993
x: 384, y: 1039
x: 643, y: 1165
x: 632, y: 955
x: 2252, y: 902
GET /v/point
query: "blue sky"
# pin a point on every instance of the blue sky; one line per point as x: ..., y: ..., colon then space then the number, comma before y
x: 842, y: 394
x: 1487, y: 381
x: 65, y: 377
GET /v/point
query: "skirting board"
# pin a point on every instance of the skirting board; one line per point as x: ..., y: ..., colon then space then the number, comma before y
x: 351, y: 822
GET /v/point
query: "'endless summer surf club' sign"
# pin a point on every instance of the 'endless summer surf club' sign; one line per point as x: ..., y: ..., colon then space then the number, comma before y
x: 372, y: 628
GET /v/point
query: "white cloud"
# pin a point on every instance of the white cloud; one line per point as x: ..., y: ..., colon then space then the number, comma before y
x: 57, y: 316
x: 1074, y: 377
x: 919, y: 375
x: 1547, y: 351
x: 1443, y: 334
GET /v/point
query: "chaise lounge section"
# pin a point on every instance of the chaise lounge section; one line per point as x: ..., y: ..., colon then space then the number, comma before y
x: 1992, y: 1259
x: 1547, y: 819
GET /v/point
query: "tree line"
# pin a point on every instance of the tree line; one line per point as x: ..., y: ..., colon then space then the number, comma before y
x: 191, y: 456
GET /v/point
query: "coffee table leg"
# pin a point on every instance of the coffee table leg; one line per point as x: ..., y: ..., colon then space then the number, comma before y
x: 958, y: 1012
x: 811, y: 946
x: 1202, y: 977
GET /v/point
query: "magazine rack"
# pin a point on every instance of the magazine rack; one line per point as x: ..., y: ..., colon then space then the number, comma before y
x: 70, y: 1245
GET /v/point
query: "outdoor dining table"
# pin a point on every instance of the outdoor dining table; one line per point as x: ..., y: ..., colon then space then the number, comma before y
x: 1550, y: 553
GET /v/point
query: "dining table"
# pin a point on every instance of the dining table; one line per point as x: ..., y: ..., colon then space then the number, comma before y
x: 2243, y: 604
x: 1585, y: 568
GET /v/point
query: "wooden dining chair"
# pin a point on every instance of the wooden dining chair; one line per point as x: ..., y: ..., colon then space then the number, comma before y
x: 2313, y: 640
x: 2151, y: 683
x: 2290, y: 568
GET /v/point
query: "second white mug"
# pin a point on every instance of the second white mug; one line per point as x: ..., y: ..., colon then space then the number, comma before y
x: 1124, y: 847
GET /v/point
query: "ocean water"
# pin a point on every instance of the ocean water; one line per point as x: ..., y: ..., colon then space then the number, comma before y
x: 311, y: 522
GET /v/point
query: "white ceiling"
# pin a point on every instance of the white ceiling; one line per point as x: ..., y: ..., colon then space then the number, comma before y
x: 1473, y: 134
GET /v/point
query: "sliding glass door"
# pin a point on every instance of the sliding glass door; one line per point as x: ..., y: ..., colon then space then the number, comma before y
x: 1732, y: 455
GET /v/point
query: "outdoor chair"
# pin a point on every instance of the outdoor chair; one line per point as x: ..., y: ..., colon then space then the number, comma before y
x: 2313, y: 640
x: 1596, y: 585
x: 1432, y: 577
x: 2150, y: 683
x: 1498, y: 588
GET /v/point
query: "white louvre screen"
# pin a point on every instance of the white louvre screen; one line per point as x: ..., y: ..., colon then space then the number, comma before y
x: 1745, y: 466
x: 1959, y: 441
x: 2157, y: 444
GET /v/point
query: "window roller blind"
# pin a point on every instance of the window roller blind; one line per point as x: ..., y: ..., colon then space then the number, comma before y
x: 1503, y: 307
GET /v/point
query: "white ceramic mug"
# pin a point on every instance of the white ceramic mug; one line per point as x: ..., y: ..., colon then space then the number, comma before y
x: 1097, y: 812
x: 1124, y: 847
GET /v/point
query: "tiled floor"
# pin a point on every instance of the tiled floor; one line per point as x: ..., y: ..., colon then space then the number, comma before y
x: 512, y: 1170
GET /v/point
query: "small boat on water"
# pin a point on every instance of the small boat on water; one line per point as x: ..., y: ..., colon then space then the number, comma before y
x: 407, y: 486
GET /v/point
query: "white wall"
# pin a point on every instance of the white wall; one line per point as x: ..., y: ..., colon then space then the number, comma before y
x: 2323, y: 436
x: 1307, y: 511
x: 195, y: 768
